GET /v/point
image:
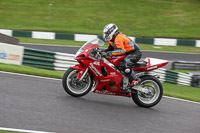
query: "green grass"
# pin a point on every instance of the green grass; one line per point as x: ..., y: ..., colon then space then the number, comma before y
x: 51, y: 42
x: 163, y: 18
x: 185, y: 92
x: 30, y: 70
x: 9, y: 132
x: 185, y: 49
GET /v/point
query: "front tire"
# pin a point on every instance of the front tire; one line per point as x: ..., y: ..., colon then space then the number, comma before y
x: 74, y: 87
x: 155, y: 92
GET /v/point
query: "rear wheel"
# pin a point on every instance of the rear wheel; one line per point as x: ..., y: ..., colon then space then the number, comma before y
x: 74, y: 87
x: 154, y: 95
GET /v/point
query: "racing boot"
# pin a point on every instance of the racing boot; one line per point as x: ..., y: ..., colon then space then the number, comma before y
x: 134, y: 80
x: 134, y: 83
x: 125, y: 91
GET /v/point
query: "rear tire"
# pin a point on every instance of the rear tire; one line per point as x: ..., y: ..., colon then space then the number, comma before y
x: 73, y: 87
x: 154, y: 96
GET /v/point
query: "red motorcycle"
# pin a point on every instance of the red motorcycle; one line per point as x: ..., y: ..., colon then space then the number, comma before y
x: 101, y: 75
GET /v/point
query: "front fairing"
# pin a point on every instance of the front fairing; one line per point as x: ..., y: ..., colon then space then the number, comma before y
x: 90, y: 44
x: 86, y: 52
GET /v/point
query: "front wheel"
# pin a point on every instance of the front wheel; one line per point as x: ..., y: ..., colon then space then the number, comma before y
x: 74, y: 87
x: 154, y: 95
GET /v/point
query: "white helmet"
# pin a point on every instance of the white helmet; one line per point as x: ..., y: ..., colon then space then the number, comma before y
x: 108, y: 31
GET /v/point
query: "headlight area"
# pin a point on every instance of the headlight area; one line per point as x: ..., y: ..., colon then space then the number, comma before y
x: 80, y: 56
x: 95, y: 54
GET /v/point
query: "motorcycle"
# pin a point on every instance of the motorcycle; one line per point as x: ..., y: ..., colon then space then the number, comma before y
x: 101, y: 75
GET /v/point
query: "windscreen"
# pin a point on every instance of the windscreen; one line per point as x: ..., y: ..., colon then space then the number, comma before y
x: 91, y: 42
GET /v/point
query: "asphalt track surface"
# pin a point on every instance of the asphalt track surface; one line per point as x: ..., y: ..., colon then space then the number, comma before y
x: 161, y: 55
x: 41, y: 104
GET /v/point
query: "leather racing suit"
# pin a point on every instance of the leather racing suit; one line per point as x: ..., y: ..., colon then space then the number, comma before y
x: 120, y: 45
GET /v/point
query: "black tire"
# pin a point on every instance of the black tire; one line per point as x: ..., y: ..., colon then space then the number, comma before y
x: 136, y: 95
x: 69, y: 84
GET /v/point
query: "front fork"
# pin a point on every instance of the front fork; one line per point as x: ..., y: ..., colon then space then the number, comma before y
x: 82, y: 71
x: 82, y: 74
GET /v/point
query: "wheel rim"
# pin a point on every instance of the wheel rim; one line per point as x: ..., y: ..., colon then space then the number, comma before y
x: 75, y: 86
x: 153, y: 92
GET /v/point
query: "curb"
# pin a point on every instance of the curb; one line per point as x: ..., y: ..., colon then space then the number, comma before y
x: 86, y: 37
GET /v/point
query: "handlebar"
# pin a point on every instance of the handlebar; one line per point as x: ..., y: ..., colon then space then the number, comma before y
x: 96, y: 53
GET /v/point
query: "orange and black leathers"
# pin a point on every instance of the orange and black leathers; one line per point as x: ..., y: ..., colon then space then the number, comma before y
x: 121, y: 44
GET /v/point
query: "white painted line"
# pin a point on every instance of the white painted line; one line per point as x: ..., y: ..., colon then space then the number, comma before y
x: 60, y: 80
x: 21, y: 130
x: 181, y: 99
x: 19, y: 74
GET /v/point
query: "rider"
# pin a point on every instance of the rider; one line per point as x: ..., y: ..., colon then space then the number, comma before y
x: 120, y: 44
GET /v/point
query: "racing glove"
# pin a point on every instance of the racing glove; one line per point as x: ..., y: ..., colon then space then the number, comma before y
x: 106, y: 54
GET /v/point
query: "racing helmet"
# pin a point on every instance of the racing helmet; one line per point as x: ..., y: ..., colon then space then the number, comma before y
x: 109, y: 31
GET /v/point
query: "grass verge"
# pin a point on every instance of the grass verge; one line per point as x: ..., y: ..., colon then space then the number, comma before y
x: 185, y: 49
x: 8, y: 132
x: 164, y: 18
x: 30, y: 70
x: 179, y: 91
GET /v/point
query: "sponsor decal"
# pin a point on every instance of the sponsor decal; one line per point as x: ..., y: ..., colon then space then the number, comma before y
x: 13, y: 57
x: 105, y: 93
x: 11, y: 54
x: 114, y: 88
x: 112, y: 73
x: 96, y: 63
x: 81, y: 50
x: 154, y: 67
x: 93, y: 67
x: 105, y: 80
x: 93, y: 70
x: 86, y: 50
x: 3, y: 55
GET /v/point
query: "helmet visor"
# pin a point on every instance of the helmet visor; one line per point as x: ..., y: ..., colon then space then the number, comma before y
x: 106, y: 37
